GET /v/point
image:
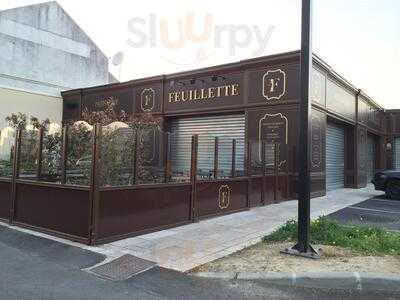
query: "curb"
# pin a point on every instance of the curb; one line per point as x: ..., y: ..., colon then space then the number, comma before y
x: 323, y: 280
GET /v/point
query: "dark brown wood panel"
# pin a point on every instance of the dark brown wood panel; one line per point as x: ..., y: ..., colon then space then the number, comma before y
x: 318, y: 152
x: 282, y: 192
x: 125, y: 212
x: 57, y: 208
x: 318, y: 184
x: 255, y: 192
x: 270, y: 192
x: 214, y: 198
x: 318, y: 141
x: 5, y: 199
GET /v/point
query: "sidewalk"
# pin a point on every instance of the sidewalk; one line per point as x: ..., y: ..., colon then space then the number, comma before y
x: 183, y: 248
x: 186, y: 247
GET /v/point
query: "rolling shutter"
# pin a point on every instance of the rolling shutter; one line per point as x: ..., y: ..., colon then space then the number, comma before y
x: 370, y: 157
x: 225, y: 127
x: 335, y: 156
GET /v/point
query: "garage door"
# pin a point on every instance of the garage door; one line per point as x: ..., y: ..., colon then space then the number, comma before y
x: 335, y: 151
x: 225, y: 127
x: 397, y: 153
x: 371, y: 157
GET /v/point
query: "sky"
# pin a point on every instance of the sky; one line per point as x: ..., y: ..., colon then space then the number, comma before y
x: 360, y: 39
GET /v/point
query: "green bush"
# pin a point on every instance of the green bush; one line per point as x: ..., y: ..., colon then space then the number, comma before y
x: 366, y: 240
x: 5, y: 168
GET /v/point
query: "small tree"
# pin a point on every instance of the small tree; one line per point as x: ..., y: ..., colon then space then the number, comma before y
x: 44, y: 125
x: 17, y: 121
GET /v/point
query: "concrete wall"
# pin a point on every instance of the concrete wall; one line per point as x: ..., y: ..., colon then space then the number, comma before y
x: 42, y: 50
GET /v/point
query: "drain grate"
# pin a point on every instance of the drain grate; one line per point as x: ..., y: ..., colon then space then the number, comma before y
x: 123, y: 267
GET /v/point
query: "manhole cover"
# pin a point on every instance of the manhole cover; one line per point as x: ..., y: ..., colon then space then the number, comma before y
x: 123, y: 267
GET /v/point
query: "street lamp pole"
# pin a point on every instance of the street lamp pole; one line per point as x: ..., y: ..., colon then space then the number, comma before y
x: 303, y: 247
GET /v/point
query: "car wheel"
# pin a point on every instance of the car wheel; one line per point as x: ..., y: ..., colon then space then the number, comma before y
x: 393, y: 189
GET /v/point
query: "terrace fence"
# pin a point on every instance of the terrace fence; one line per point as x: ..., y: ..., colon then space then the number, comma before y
x: 96, y: 184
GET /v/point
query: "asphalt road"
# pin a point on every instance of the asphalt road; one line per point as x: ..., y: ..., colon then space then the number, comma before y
x: 37, y: 268
x: 377, y: 211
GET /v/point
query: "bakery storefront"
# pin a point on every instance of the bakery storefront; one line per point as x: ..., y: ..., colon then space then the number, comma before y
x: 245, y: 119
x: 257, y: 100
x: 227, y: 141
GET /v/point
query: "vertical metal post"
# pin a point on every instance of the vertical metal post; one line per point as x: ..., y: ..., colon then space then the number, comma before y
x: 135, y: 148
x: 40, y: 154
x: 233, y: 170
x: 248, y: 172
x: 276, y: 171
x: 303, y: 246
x: 15, y: 175
x: 94, y: 184
x: 167, y: 146
x: 12, y: 155
x: 264, y: 172
x: 193, y: 178
x: 248, y: 159
x: 287, y: 193
x: 64, y: 155
x: 216, y: 158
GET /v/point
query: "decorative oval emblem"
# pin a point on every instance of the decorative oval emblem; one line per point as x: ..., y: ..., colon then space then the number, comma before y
x: 224, y: 196
x: 274, y: 84
x: 147, y: 99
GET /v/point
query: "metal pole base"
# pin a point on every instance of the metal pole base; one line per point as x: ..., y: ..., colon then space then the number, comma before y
x: 310, y: 253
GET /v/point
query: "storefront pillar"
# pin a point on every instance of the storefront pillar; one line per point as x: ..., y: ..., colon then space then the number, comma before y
x: 360, y: 156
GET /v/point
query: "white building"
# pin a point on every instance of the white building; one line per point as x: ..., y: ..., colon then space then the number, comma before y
x: 43, y: 52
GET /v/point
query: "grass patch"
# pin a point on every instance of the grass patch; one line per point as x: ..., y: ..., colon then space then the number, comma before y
x: 365, y: 240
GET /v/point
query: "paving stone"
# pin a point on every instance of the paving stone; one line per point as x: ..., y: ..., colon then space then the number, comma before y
x: 136, y: 241
x: 158, y: 234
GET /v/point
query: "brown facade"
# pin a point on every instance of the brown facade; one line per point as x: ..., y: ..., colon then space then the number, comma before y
x: 265, y: 90
x: 261, y: 94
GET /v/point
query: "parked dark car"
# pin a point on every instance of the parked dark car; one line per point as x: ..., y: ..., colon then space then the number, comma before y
x: 389, y: 182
